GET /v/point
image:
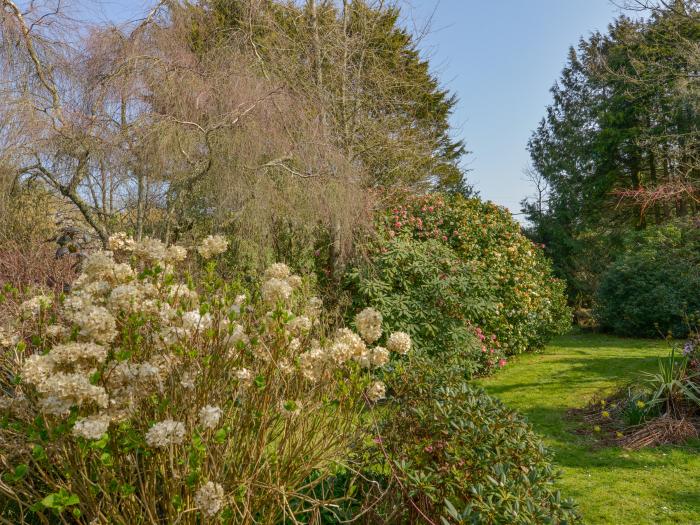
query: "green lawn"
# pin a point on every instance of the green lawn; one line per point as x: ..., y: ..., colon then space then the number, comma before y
x: 611, y: 485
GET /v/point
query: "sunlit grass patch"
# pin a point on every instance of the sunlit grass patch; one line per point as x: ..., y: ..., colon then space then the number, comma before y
x: 611, y: 485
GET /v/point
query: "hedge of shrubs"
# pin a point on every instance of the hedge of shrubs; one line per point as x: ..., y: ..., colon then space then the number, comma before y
x: 474, y: 268
x: 651, y: 290
x: 149, y: 396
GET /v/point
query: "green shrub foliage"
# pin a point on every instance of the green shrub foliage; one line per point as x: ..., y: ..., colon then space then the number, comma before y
x: 492, y: 276
x: 423, y: 288
x: 458, y: 455
x: 651, y: 289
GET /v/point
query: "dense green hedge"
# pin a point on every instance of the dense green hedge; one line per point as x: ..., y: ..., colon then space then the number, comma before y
x: 652, y: 288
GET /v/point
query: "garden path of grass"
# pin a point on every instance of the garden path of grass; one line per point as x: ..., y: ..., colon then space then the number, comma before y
x: 611, y: 485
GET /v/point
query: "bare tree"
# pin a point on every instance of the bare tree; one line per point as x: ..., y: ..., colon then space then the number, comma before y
x: 147, y: 128
x: 538, y: 202
x: 67, y: 92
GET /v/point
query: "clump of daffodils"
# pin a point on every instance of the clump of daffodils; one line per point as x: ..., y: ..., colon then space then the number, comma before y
x: 177, y: 378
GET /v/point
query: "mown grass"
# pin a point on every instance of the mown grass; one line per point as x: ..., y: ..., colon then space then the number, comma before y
x: 611, y: 485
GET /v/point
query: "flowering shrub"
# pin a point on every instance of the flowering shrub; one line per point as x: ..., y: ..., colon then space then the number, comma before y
x: 425, y: 290
x: 529, y: 305
x: 145, y: 398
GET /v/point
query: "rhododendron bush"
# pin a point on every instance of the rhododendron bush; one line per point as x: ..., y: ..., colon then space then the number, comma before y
x: 424, y: 289
x: 143, y: 396
x: 528, y: 303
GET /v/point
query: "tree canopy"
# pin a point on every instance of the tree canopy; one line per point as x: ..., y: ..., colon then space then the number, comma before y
x: 619, y: 147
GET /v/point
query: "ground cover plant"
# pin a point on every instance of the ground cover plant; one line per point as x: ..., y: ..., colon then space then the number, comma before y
x: 659, y: 483
x: 657, y: 407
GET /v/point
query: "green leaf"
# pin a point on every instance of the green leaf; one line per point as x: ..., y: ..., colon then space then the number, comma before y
x: 38, y: 453
x: 220, y: 435
x: 260, y: 382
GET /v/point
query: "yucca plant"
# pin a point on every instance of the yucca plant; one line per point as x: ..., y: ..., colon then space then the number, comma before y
x: 673, y: 387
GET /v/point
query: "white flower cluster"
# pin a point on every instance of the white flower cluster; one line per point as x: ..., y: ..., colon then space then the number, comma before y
x: 63, y: 377
x: 36, y: 305
x: 277, y: 271
x: 194, y: 322
x: 232, y: 334
x: 55, y: 331
x: 314, y: 308
x: 399, y: 342
x: 69, y: 353
x: 7, y: 338
x: 209, y: 417
x: 92, y: 427
x: 209, y: 498
x: 276, y: 290
x: 369, y: 324
x: 376, y: 391
x: 279, y: 284
x: 244, y: 376
x: 213, y: 245
x: 85, y: 368
x: 121, y: 242
x: 96, y: 323
x: 347, y: 345
x: 300, y: 325
x: 165, y: 433
x: 148, y: 249
x: 101, y: 297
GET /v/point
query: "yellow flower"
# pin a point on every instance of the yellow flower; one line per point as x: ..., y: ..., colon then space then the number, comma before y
x: 596, y: 428
x: 618, y: 434
x: 641, y: 404
x: 602, y: 402
x: 605, y: 413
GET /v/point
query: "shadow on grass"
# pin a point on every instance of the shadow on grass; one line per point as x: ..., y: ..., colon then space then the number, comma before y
x: 681, y: 498
x: 573, y: 372
x: 592, y: 341
x: 577, y: 451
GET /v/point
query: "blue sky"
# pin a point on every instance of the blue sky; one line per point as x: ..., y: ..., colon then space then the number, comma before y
x: 499, y: 56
